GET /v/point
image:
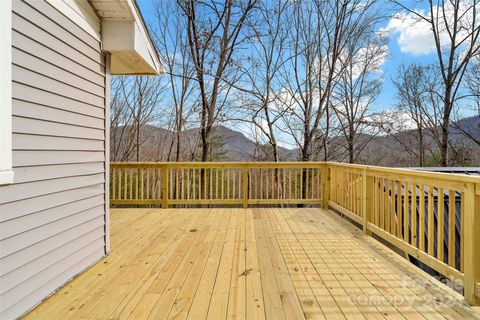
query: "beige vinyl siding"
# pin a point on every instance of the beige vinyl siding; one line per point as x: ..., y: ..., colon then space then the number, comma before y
x: 53, y: 217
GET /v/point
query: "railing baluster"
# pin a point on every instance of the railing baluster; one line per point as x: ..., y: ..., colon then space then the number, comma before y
x: 289, y: 183
x: 228, y: 183
x: 440, y: 224
x: 131, y: 184
x: 119, y: 177
x: 223, y: 183
x: 147, y: 195
x: 421, y: 219
x: 406, y: 212
x: 210, y: 174
x: 462, y: 230
x: 392, y: 207
x: 177, y: 185
x: 164, y: 186
x: 204, y: 184
x: 380, y: 201
x: 399, y: 210
x: 267, y: 190
x: 125, y: 183
x: 216, y: 183
x: 188, y: 185
x: 430, y: 226
x: 414, y: 208
x: 245, y: 186
x: 114, y: 188
x: 306, y: 182
x: 471, y: 224
x: 366, y: 200
x: 231, y: 173
x: 136, y: 183
x: 451, y: 227
x: 256, y: 183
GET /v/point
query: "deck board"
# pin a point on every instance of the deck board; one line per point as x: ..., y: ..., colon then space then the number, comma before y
x: 264, y: 263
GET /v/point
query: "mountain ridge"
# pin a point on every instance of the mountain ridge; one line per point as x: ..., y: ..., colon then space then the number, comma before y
x: 232, y: 145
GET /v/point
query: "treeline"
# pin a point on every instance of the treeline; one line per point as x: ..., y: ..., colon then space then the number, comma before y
x: 305, y: 73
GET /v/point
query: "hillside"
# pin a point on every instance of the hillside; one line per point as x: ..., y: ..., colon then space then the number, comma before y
x: 231, y: 145
x: 388, y: 151
x: 228, y: 145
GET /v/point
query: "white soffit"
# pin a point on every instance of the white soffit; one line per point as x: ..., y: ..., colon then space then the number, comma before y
x: 125, y: 37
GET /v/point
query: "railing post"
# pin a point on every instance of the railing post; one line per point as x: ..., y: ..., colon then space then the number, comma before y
x: 245, y: 186
x: 367, y: 182
x: 325, y: 185
x: 471, y: 284
x: 164, y: 186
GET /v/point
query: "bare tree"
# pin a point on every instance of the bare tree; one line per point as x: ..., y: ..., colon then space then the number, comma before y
x: 419, y: 110
x: 473, y: 82
x: 357, y: 88
x: 170, y: 38
x: 122, y: 141
x: 214, y: 31
x: 134, y: 104
x: 455, y: 28
x: 473, y: 85
x: 320, y: 33
x: 261, y: 70
x: 411, y: 98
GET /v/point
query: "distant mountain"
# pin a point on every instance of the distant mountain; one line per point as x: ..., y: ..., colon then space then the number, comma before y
x: 230, y: 145
x: 238, y: 147
x: 388, y: 151
x: 233, y: 145
x: 470, y: 125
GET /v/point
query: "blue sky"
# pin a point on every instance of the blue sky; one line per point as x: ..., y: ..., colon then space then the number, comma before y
x: 407, y: 44
x: 386, y: 99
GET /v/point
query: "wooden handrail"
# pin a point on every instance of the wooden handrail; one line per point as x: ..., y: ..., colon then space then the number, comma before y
x: 433, y: 217
x: 227, y: 183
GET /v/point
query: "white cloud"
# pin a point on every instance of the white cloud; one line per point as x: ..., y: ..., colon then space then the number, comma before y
x: 392, y: 121
x: 415, y: 35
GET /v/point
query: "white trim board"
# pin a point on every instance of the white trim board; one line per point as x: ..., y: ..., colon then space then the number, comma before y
x: 6, y: 171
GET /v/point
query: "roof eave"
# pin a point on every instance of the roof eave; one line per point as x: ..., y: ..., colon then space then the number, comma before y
x: 125, y: 36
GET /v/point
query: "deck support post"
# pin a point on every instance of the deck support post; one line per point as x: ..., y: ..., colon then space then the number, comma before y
x: 472, y: 244
x: 245, y: 187
x: 367, y: 183
x: 164, y: 186
x: 325, y: 185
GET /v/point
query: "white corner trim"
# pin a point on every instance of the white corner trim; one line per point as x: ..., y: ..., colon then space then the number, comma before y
x: 6, y: 173
x: 6, y: 177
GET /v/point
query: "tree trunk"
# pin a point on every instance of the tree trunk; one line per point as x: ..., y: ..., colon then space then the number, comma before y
x: 351, y: 157
x: 305, y: 158
x: 138, y: 141
x: 421, y: 159
x: 205, y: 146
x: 445, y: 129
x: 179, y: 133
x: 351, y: 141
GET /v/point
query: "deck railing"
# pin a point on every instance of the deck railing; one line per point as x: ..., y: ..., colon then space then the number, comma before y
x: 225, y: 183
x: 433, y: 217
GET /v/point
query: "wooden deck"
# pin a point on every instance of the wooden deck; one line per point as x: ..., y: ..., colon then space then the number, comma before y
x: 248, y: 264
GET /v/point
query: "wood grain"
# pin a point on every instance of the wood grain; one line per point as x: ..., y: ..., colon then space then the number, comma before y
x: 265, y: 263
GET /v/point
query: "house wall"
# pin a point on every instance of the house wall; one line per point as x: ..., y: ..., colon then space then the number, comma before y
x: 53, y: 217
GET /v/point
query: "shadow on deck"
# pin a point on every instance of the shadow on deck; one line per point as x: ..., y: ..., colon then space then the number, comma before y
x: 249, y: 264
